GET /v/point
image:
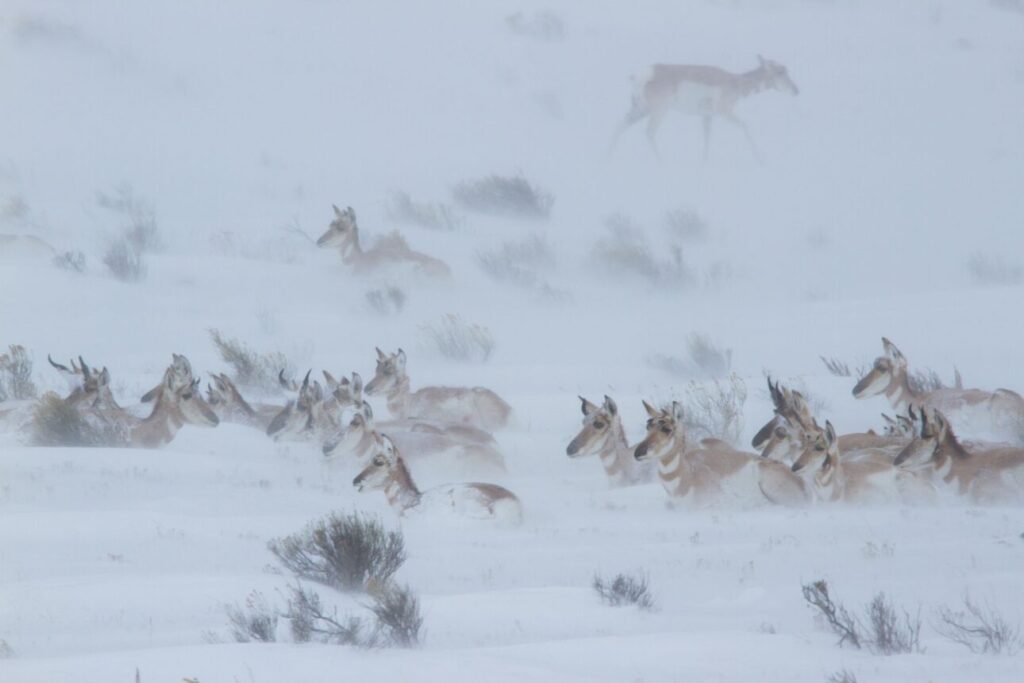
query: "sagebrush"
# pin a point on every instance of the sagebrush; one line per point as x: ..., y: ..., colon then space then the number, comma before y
x: 686, y: 225
x: 400, y: 208
x: 124, y: 260
x: 57, y: 423
x: 979, y: 628
x: 16, y: 374
x: 139, y: 226
x: 497, y: 195
x: 624, y: 589
x: 397, y: 621
x: 883, y: 629
x: 388, y: 300
x: 251, y: 370
x: 255, y: 620
x: 454, y: 338
x: 518, y: 262
x: 715, y: 408
x: 994, y: 270
x: 540, y: 25
x: 626, y: 252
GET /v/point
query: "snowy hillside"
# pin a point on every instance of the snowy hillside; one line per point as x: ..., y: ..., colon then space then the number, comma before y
x: 210, y: 141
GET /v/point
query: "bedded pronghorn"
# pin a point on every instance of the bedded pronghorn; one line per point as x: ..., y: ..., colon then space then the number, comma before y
x: 1001, y: 411
x: 89, y: 388
x: 229, y: 404
x: 713, y: 471
x: 475, y: 406
x: 603, y: 435
x: 466, y: 450
x: 986, y: 474
x: 315, y: 414
x: 389, y: 251
x: 705, y: 91
x: 387, y: 471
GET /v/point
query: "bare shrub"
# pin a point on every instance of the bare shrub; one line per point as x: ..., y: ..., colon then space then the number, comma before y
x: 926, y: 379
x: 518, y: 262
x: 309, y: 620
x: 708, y: 358
x: 836, y: 615
x: 624, y: 589
x: 398, y: 621
x: 350, y: 552
x: 981, y: 629
x: 625, y: 252
x: 70, y: 260
x: 686, y: 225
x: 457, y: 339
x: 994, y: 270
x: 256, y: 620
x: 252, y: 370
x: 884, y: 630
x: 839, y: 368
x: 842, y: 676
x: 57, y: 423
x: 6, y: 651
x: 388, y: 300
x: 544, y: 26
x: 14, y: 209
x: 401, y: 208
x: 16, y: 374
x: 140, y: 228
x: 497, y: 195
x: 715, y: 409
x: 124, y: 260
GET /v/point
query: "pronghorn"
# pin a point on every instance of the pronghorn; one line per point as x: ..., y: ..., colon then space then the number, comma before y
x: 387, y: 471
x: 713, y: 471
x: 390, y: 250
x: 989, y: 474
x: 469, y: 450
x: 602, y: 434
x: 1001, y: 410
x: 89, y: 389
x: 315, y: 414
x: 836, y: 478
x: 176, y: 406
x: 901, y: 426
x: 474, y: 406
x: 704, y: 91
x: 230, y: 406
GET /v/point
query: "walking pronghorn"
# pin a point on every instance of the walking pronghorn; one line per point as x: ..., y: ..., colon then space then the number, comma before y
x: 474, y: 406
x: 603, y: 435
x: 705, y: 91
x: 1001, y: 411
x: 387, y: 471
x: 713, y: 471
x: 390, y: 250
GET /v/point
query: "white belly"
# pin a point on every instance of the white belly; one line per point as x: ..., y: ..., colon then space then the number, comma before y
x: 467, y: 501
x: 695, y: 99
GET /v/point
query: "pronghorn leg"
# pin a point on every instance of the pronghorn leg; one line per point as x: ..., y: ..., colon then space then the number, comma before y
x: 736, y: 121
x: 653, y: 122
x: 707, y: 135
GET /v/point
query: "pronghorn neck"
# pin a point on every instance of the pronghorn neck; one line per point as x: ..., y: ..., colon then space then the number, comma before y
x: 749, y: 82
x: 160, y: 427
x: 400, y: 489
x: 615, y: 454
x: 366, y: 443
x: 672, y: 465
x: 398, y: 396
x: 899, y: 392
x: 831, y: 486
x: 950, y: 457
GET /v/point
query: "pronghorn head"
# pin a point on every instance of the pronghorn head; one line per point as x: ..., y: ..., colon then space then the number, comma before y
x: 888, y: 370
x: 930, y: 443
x: 776, y: 76
x: 901, y: 426
x: 783, y: 437
x: 599, y: 424
x: 381, y: 468
x: 224, y: 396
x: 342, y: 232
x: 816, y: 448
x: 297, y: 416
x: 664, y: 430
x: 188, y: 402
x: 390, y: 370
x: 349, y: 439
x: 91, y: 388
x: 826, y: 474
x: 346, y: 392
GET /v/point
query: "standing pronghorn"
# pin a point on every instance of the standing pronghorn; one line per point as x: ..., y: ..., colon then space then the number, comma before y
x: 713, y: 471
x: 705, y: 91
x: 1001, y: 411
x: 602, y: 434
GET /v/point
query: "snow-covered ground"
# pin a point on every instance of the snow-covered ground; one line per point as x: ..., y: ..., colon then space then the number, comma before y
x: 899, y: 162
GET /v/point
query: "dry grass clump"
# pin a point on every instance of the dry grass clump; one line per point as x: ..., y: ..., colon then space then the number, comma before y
x: 456, y: 339
x: 624, y: 589
x: 511, y: 196
x: 626, y: 253
x: 252, y: 370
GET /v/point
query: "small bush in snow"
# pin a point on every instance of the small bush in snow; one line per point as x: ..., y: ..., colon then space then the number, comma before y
x: 350, y: 552
x: 545, y: 26
x: 140, y: 229
x: 457, y: 339
x: 517, y: 262
x: 16, y: 374
x: 397, y: 618
x: 686, y: 225
x: 310, y: 621
x: 6, y: 651
x: 715, y: 409
x: 708, y: 358
x: 511, y: 196
x: 980, y: 629
x: 624, y: 589
x: 840, y: 368
x: 386, y: 300
x: 625, y: 252
x: 397, y: 621
x: 70, y: 260
x: 401, y: 208
x: 251, y: 369
x: 838, y: 618
x: 843, y: 676
x: 994, y: 270
x: 884, y: 630
x: 256, y: 620
x: 56, y: 423
x: 124, y: 260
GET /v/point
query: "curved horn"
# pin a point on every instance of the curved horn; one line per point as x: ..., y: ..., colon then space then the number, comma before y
x: 85, y: 368
x: 63, y: 368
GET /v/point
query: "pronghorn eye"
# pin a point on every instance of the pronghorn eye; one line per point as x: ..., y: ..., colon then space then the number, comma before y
x: 819, y: 447
x: 666, y: 429
x: 780, y: 432
x: 379, y: 461
x: 598, y: 424
x: 187, y: 396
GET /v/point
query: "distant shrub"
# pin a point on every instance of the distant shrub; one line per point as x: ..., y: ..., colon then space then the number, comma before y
x: 883, y: 631
x: 497, y: 195
x: 518, y: 262
x: 401, y: 208
x: 626, y: 252
x: 454, y: 338
x: 70, y: 260
x: 140, y: 228
x: 16, y: 374
x: 388, y: 300
x: 310, y: 620
x: 842, y: 676
x: 715, y: 409
x: 56, y: 423
x: 544, y: 26
x: 397, y: 621
x: 979, y: 629
x: 624, y: 589
x: 252, y: 370
x: 704, y: 359
x: 686, y: 225
x: 994, y: 270
x: 256, y: 620
x: 124, y: 260
x: 349, y: 552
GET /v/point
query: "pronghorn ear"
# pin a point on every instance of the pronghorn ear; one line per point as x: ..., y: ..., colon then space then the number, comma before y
x: 380, y: 354
x: 367, y: 411
x: 677, y: 411
x: 329, y: 378
x: 357, y: 384
x: 104, y: 376
x: 400, y: 359
x: 760, y: 59
x: 337, y: 211
x: 351, y: 213
x: 830, y: 432
x: 888, y: 420
x: 651, y: 410
x: 609, y: 404
x: 587, y: 406
x: 151, y: 394
x: 891, y: 350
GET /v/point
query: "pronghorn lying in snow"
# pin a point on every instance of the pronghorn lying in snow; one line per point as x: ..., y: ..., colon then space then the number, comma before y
x: 389, y: 251
x: 602, y: 434
x: 1002, y: 409
x: 474, y: 406
x: 314, y: 414
x: 705, y: 91
x: 89, y: 389
x: 713, y: 471
x: 469, y: 448
x: 387, y: 471
x: 986, y: 474
x: 229, y: 404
